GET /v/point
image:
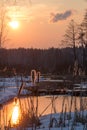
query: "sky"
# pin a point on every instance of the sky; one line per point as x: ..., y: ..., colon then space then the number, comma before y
x: 42, y: 23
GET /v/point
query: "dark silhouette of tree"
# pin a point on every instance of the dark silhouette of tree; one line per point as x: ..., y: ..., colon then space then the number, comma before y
x: 84, y: 24
x: 83, y: 40
x: 70, y: 36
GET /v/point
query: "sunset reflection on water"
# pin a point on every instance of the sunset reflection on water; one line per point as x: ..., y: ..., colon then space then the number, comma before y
x: 12, y: 111
x: 15, y: 115
x: 15, y: 112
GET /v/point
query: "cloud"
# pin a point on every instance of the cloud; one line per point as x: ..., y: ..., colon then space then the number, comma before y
x: 60, y: 16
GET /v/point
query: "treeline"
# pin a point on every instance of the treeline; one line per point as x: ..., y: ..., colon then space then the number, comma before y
x: 52, y: 60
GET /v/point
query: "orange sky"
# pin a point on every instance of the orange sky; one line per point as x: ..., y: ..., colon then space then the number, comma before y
x: 43, y: 23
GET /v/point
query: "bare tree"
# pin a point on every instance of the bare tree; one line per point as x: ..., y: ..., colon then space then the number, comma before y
x: 70, y: 36
x: 84, y: 25
x: 83, y: 39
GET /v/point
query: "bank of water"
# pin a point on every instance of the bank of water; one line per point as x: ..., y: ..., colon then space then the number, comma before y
x: 43, y: 105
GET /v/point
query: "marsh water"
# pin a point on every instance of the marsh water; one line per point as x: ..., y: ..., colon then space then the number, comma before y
x: 44, y: 105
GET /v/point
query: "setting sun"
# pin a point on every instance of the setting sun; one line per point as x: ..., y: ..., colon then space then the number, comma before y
x: 14, y: 24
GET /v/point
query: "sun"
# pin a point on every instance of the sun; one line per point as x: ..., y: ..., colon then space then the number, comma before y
x: 14, y: 24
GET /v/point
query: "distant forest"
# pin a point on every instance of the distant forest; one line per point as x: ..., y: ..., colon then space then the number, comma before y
x: 52, y: 60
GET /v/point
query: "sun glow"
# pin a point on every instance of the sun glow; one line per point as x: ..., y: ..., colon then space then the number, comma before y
x: 14, y: 24
x: 15, y: 115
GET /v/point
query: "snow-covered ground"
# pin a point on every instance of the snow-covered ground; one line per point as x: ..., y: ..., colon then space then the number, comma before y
x: 9, y: 87
x: 61, y: 122
x: 64, y: 121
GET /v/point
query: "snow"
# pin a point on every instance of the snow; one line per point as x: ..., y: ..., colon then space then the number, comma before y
x: 7, y: 94
x: 69, y: 124
x: 9, y: 87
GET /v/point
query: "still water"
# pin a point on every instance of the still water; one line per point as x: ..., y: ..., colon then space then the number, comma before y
x: 43, y: 105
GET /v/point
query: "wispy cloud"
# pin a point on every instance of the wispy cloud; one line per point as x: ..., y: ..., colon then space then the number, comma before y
x: 60, y: 16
